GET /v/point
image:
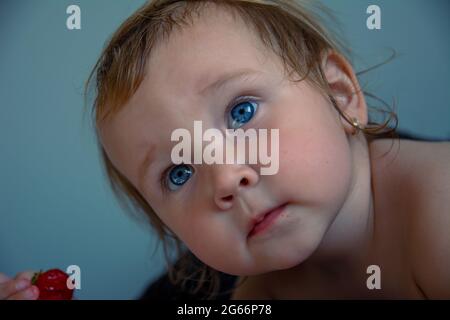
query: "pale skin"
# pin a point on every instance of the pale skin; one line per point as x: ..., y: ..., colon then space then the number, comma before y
x: 335, y: 225
x: 410, y: 242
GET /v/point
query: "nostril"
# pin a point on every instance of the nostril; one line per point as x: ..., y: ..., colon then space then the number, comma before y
x: 244, y: 181
x: 228, y: 198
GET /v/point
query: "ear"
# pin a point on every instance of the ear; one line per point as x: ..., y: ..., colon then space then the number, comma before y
x: 345, y: 89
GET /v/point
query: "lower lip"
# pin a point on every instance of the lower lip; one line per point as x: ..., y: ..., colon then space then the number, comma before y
x: 269, y: 219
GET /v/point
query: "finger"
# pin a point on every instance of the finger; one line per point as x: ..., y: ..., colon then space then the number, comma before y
x: 4, y: 278
x: 27, y: 275
x: 11, y: 287
x: 31, y: 293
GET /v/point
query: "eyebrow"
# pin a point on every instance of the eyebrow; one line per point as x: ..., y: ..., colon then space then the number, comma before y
x: 227, y: 78
x: 221, y: 82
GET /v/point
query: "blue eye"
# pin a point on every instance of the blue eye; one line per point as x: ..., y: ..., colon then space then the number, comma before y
x: 178, y: 176
x: 242, y: 113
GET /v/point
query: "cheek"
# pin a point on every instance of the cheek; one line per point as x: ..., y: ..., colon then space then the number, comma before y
x: 315, y: 162
x: 214, y: 241
x: 208, y: 235
x: 213, y: 237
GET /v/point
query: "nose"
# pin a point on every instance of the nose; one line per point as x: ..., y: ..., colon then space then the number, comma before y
x: 229, y: 181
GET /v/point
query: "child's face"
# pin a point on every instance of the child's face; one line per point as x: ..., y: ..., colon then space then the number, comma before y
x: 212, y: 211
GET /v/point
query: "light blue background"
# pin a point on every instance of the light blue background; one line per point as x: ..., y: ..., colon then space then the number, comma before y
x: 56, y: 208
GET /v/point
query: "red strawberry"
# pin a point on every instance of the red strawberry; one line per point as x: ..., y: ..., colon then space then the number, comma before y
x: 52, y: 285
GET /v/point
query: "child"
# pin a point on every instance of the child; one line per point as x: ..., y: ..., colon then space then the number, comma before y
x: 344, y: 216
x: 342, y: 203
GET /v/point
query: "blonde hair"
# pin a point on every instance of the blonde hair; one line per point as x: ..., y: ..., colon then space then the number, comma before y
x: 291, y: 29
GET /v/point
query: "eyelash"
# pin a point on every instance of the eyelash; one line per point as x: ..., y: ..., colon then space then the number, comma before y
x: 234, y: 103
x: 237, y: 101
x: 163, y: 178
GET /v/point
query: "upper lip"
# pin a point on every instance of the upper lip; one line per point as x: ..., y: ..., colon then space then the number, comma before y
x: 260, y: 217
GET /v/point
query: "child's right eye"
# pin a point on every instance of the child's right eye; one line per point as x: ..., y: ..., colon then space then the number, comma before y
x: 178, y: 176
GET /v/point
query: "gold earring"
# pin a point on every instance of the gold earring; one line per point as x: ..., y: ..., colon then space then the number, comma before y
x: 356, y: 125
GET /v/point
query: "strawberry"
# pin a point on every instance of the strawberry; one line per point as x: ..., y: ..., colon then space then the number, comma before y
x: 52, y: 285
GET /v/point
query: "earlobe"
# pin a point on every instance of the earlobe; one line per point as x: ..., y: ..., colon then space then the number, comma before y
x: 345, y: 90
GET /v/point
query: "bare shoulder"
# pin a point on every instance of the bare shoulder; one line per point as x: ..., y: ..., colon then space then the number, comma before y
x: 420, y: 173
x: 252, y: 288
x: 417, y: 162
x: 429, y: 219
x: 410, y: 152
x: 430, y: 224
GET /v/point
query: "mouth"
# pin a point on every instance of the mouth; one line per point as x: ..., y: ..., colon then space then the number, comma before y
x: 263, y: 221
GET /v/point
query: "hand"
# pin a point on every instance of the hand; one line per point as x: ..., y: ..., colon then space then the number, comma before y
x: 19, y: 287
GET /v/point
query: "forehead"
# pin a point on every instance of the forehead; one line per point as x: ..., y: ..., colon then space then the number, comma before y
x: 194, y: 56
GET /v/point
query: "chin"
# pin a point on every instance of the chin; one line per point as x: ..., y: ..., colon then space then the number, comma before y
x: 268, y: 265
x: 242, y: 270
x: 299, y: 253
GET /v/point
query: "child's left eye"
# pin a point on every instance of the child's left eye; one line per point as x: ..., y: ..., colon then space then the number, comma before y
x: 242, y: 113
